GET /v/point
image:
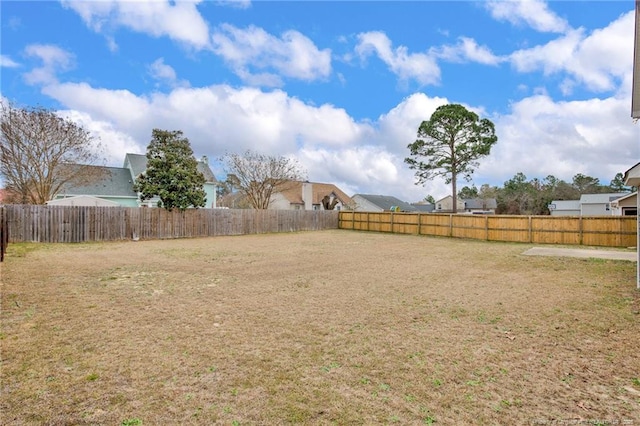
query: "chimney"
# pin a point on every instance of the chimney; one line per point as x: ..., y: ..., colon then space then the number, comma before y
x: 307, y: 195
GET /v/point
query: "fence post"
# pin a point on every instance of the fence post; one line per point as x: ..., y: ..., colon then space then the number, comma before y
x: 486, y: 227
x: 580, y: 228
x: 451, y: 225
x: 4, y: 232
x: 530, y: 229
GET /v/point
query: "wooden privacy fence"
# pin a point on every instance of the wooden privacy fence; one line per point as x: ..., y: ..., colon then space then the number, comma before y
x: 57, y: 224
x: 610, y: 231
x: 4, y: 233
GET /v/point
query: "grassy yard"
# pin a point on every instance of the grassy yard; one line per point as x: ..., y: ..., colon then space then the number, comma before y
x: 331, y: 327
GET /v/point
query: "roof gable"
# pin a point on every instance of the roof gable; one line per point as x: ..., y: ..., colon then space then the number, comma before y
x: 292, y: 192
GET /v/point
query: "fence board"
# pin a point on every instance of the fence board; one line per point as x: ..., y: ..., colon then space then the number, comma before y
x: 609, y: 231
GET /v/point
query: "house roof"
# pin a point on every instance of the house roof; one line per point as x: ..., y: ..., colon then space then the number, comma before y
x: 424, y: 207
x: 624, y: 197
x: 385, y: 202
x: 114, y: 181
x: 601, y: 198
x: 138, y: 164
x: 480, y: 203
x: 632, y: 176
x: 293, y: 192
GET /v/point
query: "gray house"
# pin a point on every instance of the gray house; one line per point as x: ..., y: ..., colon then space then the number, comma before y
x: 115, y: 184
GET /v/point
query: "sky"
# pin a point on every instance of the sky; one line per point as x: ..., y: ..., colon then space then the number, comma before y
x: 339, y: 86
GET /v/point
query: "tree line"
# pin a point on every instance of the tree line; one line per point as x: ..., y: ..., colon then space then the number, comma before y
x: 520, y: 195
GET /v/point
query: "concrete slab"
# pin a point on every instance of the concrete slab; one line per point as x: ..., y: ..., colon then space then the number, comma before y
x: 584, y: 253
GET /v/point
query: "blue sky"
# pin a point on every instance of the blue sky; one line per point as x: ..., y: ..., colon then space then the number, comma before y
x: 340, y: 86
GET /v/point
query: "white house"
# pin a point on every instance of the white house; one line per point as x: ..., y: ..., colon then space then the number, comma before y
x: 587, y: 205
x: 445, y: 205
x: 565, y: 208
x: 598, y: 204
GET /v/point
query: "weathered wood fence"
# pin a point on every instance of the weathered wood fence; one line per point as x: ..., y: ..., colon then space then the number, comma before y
x: 57, y: 224
x: 4, y: 233
x: 610, y: 231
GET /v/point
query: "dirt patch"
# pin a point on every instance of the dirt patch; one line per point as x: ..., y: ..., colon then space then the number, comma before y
x: 318, y: 328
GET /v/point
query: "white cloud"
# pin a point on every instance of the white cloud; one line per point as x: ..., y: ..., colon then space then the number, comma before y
x: 7, y: 62
x: 112, y: 142
x: 292, y: 55
x: 533, y: 13
x: 53, y: 59
x: 407, y: 66
x: 179, y: 20
x: 540, y: 137
x: 467, y: 50
x: 165, y: 74
x: 240, y: 4
x: 598, y: 61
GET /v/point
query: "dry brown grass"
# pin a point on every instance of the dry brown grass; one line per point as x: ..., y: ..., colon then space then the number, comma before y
x: 332, y: 327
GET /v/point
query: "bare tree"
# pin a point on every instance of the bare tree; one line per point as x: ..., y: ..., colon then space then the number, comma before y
x: 259, y: 176
x: 41, y: 152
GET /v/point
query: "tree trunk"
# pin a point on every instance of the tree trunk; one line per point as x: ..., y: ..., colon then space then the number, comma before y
x: 454, y: 195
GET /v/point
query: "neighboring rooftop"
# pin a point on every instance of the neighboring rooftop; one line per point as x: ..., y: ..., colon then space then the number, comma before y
x: 386, y: 202
x: 293, y: 192
x: 114, y: 181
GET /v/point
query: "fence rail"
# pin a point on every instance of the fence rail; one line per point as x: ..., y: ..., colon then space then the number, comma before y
x: 57, y: 224
x: 609, y: 231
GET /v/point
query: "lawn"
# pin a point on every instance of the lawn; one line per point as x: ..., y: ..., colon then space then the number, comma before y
x: 329, y: 327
